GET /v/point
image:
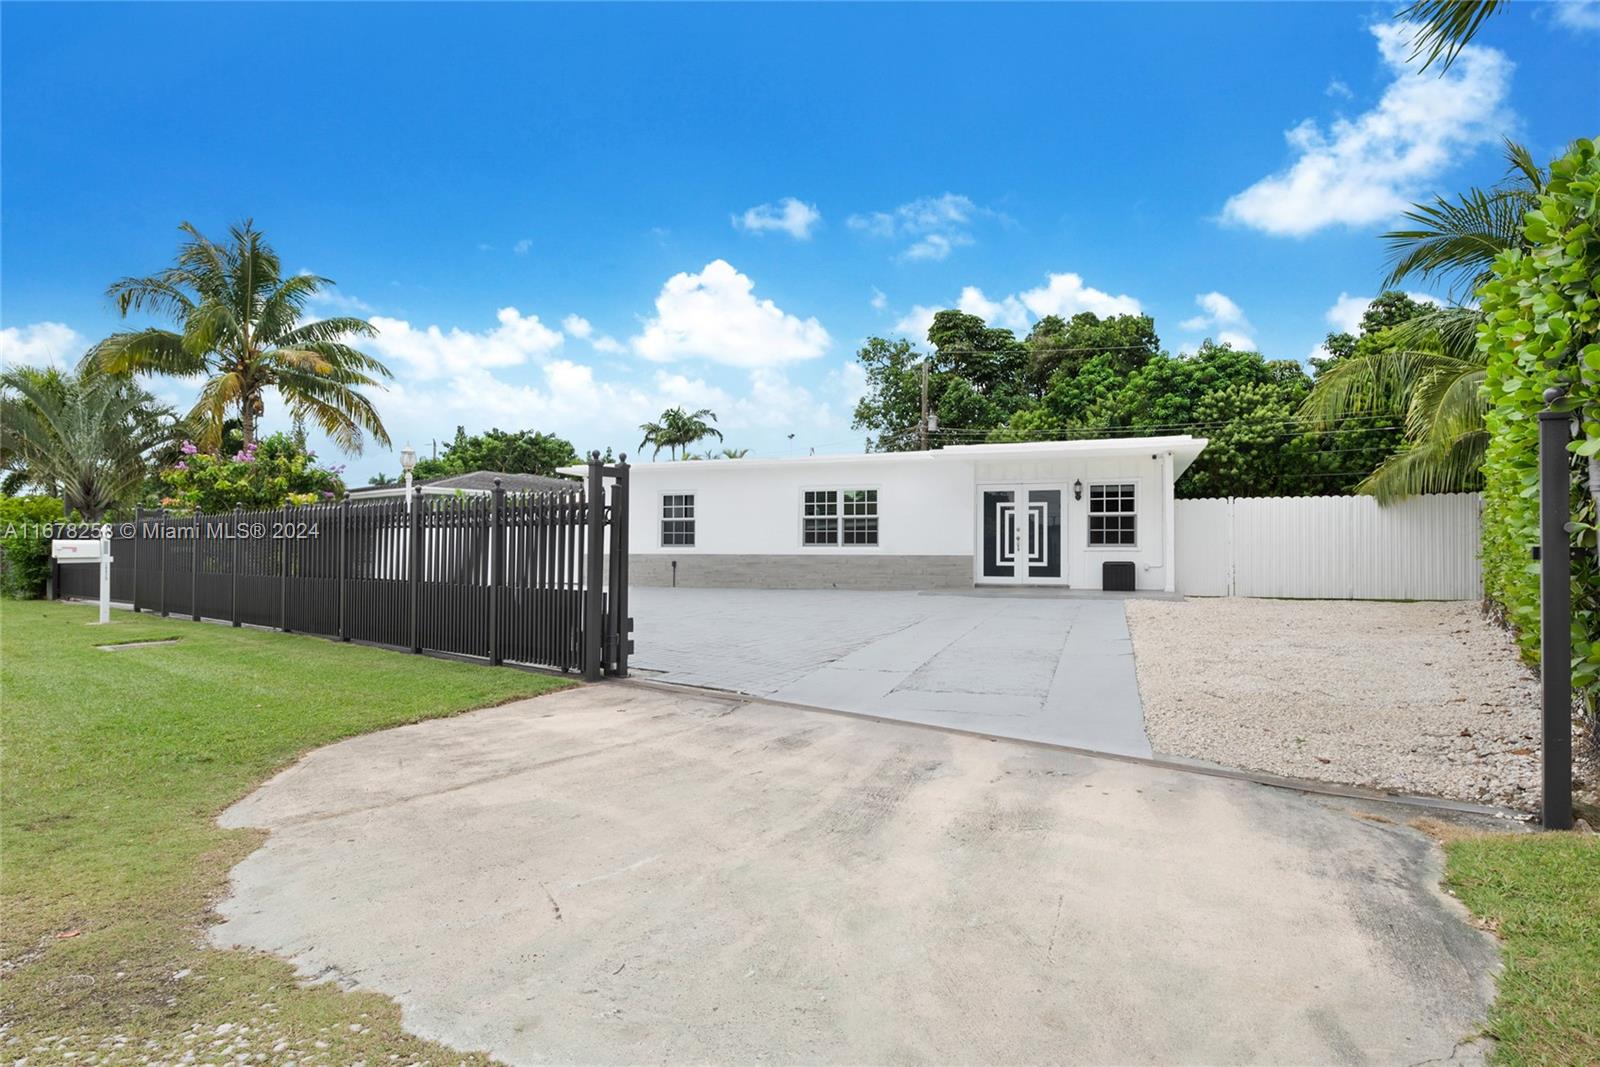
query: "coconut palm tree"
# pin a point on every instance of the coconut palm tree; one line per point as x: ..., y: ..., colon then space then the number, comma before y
x: 86, y: 438
x: 239, y: 326
x: 1430, y: 371
x: 678, y: 429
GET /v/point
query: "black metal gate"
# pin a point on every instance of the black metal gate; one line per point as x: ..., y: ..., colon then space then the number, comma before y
x: 539, y: 579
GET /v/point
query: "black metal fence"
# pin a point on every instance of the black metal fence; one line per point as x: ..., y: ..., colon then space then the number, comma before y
x: 539, y: 579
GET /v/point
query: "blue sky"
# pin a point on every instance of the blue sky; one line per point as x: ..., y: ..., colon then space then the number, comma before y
x: 569, y: 217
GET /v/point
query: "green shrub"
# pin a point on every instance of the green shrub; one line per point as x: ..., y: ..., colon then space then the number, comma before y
x: 24, y: 548
x: 1542, y: 330
x: 274, y: 472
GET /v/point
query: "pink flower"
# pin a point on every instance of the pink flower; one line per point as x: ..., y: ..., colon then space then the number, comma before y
x: 188, y: 448
x: 180, y: 466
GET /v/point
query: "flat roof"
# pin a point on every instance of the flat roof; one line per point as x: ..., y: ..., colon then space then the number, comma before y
x: 1184, y: 449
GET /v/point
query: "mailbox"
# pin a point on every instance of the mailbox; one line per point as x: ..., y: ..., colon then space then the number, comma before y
x: 66, y: 551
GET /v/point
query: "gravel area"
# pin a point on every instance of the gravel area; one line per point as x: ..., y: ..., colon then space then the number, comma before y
x: 1424, y: 698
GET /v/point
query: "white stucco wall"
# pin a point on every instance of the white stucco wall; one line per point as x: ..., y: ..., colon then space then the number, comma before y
x: 927, y: 505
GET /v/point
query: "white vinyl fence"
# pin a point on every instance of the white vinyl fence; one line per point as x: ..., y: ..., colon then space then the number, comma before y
x: 1332, y: 547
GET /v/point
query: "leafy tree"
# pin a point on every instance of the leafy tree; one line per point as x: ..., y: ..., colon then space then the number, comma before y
x: 1124, y: 342
x: 522, y: 452
x: 678, y: 429
x: 890, y: 408
x: 86, y: 438
x: 239, y: 328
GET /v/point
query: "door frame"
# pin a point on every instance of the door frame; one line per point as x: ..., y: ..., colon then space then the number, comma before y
x: 1020, y: 575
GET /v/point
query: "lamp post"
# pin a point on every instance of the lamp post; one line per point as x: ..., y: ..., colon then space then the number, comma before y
x: 408, y: 460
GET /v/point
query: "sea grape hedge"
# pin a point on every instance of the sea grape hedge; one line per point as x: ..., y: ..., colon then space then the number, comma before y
x: 1542, y: 330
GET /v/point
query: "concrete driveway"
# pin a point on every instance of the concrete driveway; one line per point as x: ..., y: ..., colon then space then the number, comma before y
x: 1039, y: 668
x: 618, y: 874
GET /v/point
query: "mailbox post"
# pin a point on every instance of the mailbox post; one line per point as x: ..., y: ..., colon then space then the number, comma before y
x: 86, y: 550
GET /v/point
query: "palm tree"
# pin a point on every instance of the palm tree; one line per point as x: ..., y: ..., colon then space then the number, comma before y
x: 87, y: 438
x: 240, y: 327
x: 678, y: 429
x: 1445, y: 26
x: 1430, y: 373
x: 686, y: 428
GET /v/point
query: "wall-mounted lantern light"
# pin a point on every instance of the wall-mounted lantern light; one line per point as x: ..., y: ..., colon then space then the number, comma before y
x: 1077, y: 489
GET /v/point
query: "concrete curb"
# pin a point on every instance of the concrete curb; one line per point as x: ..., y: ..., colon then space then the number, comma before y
x: 1437, y: 805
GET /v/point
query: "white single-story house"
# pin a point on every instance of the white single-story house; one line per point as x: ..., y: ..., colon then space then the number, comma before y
x: 1090, y: 514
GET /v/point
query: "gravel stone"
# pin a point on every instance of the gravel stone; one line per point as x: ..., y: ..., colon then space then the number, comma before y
x: 1419, y: 698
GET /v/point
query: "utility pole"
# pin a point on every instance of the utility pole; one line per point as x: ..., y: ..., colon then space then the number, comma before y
x: 924, y: 423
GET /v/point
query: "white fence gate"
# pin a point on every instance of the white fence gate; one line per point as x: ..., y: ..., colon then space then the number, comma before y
x: 1332, y: 547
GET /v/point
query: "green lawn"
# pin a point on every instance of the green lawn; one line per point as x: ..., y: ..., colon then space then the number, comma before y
x: 114, y: 766
x: 1541, y: 894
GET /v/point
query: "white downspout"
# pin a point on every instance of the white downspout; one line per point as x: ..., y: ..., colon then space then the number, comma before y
x: 1170, y: 519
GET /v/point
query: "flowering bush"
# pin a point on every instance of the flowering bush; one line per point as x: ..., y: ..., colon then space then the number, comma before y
x: 265, y: 474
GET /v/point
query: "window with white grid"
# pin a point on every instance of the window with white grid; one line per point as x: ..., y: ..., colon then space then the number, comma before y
x: 1113, y: 515
x: 677, y: 519
x: 819, y: 517
x: 839, y: 517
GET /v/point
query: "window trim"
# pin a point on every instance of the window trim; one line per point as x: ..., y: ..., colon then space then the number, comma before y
x: 838, y: 545
x: 662, y: 520
x: 1138, y: 521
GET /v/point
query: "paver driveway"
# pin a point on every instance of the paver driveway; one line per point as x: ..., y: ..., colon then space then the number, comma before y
x: 1038, y: 668
x: 623, y: 875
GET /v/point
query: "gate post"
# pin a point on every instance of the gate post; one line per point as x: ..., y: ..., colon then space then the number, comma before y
x: 344, y: 567
x: 497, y: 568
x: 416, y: 567
x: 161, y: 547
x: 594, y: 567
x: 1555, y: 613
x: 138, y: 514
x: 283, y: 572
x: 233, y: 595
x: 194, y: 569
x: 621, y: 626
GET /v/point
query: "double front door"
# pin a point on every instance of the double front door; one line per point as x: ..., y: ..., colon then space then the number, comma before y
x: 1020, y: 534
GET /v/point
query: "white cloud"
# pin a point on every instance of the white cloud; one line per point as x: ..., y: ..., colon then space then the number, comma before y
x: 793, y: 217
x: 715, y: 315
x: 431, y: 352
x: 1062, y: 294
x: 52, y: 344
x: 880, y: 299
x: 332, y: 300
x: 935, y: 225
x: 1223, y: 320
x: 522, y: 247
x: 1339, y: 89
x: 1066, y: 295
x: 1345, y: 314
x: 581, y: 328
x: 1368, y: 169
x: 913, y: 325
x: 1578, y: 14
x: 1007, y: 312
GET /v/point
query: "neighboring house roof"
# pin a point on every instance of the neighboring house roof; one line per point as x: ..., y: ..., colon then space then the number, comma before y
x: 1184, y: 449
x: 477, y: 482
